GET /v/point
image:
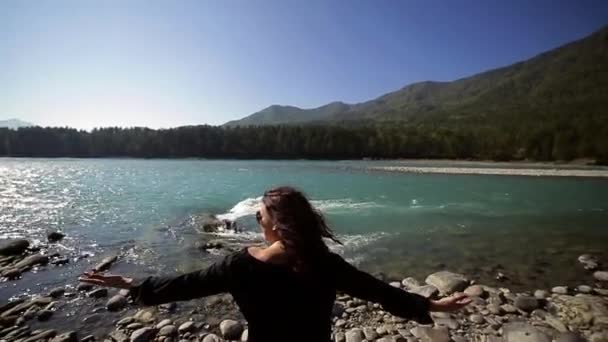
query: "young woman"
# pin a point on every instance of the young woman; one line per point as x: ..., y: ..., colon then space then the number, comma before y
x: 287, y: 290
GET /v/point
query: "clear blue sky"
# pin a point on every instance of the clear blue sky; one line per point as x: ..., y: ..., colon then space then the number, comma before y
x: 167, y: 63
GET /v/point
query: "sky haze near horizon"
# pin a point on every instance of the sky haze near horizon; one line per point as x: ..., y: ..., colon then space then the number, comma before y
x: 161, y: 64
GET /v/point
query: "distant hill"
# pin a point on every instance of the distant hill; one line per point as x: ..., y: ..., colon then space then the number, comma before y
x: 573, y: 77
x: 14, y: 123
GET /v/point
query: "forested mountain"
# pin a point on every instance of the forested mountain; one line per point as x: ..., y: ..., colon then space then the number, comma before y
x: 571, y: 79
x: 551, y: 107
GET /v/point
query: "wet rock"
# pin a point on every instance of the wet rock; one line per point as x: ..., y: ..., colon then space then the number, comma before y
x: 105, y: 263
x: 447, y: 282
x: 541, y: 294
x: 601, y: 275
x: 88, y: 338
x: 60, y: 261
x: 526, y: 303
x: 69, y: 336
x: 57, y: 292
x: 32, y: 260
x: 431, y: 334
x: 14, y: 247
x: 142, y: 335
x: 168, y: 330
x: 523, y: 332
x: 125, y: 321
x: 116, y: 303
x: 84, y: 287
x: 11, y: 273
x: 55, y: 236
x: 563, y: 290
x: 134, y: 326
x: 186, y: 327
x: 163, y: 323
x: 98, y: 293
x: 119, y: 336
x: 589, y: 262
x: 428, y: 291
x: 44, y: 315
x: 354, y: 335
x: 231, y: 329
x: 43, y: 335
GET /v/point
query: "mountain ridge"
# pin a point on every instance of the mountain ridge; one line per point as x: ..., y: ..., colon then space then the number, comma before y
x: 547, y: 80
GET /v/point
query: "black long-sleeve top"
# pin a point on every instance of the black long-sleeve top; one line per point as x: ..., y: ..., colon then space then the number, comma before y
x: 279, y: 303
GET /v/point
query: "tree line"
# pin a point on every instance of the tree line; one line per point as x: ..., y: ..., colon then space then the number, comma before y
x: 510, y: 140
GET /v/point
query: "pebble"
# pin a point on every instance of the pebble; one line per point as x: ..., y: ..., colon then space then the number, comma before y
x: 125, y: 321
x: 57, y: 292
x: 231, y: 329
x: 44, y: 315
x: 186, y: 327
x: 447, y: 282
x: 211, y: 338
x: 134, y: 326
x: 98, y: 293
x: 142, y: 335
x: 163, y: 323
x: 116, y: 303
x: 478, y: 319
x: 508, y: 308
x: 541, y: 294
x: 84, y: 287
x: 584, y: 289
x: 370, y: 333
x: 167, y: 330
x: 245, y: 335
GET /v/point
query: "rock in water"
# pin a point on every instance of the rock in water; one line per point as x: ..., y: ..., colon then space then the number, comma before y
x: 105, y: 263
x: 55, y: 236
x: 32, y: 260
x: 601, y: 275
x: 447, y: 282
x: 523, y: 332
x: 231, y: 329
x: 14, y: 247
x: 116, y: 303
x: 142, y: 335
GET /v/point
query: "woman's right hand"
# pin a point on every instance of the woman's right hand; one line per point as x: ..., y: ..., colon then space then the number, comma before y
x: 452, y: 303
x: 107, y: 280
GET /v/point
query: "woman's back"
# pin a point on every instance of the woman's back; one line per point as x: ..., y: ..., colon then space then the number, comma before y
x: 279, y: 303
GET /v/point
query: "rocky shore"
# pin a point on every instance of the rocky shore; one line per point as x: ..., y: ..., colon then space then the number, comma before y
x: 497, y: 314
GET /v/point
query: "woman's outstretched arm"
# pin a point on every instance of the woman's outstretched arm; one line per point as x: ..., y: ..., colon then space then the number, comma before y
x: 159, y: 290
x: 396, y: 301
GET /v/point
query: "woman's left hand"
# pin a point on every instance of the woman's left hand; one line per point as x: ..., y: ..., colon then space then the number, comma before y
x: 452, y: 303
x: 107, y: 280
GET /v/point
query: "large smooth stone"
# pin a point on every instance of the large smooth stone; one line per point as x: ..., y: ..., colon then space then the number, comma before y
x: 447, y: 282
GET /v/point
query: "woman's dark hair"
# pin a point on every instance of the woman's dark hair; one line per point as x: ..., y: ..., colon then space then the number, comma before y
x: 299, y: 225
